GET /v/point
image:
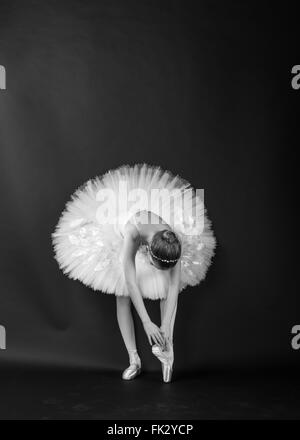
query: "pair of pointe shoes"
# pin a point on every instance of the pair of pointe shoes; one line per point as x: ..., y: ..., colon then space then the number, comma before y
x: 164, y: 354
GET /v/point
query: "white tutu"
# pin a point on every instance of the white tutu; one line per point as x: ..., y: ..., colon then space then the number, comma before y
x: 88, y: 246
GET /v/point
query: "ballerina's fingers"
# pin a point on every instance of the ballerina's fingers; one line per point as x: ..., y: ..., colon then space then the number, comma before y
x: 159, y: 338
x: 154, y: 340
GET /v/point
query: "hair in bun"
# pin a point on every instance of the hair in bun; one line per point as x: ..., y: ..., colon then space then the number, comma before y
x: 165, y: 249
x: 169, y: 236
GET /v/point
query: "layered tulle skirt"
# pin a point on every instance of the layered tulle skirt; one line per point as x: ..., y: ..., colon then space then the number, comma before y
x: 88, y: 239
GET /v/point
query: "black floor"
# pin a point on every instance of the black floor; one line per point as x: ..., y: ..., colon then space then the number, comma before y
x: 44, y: 394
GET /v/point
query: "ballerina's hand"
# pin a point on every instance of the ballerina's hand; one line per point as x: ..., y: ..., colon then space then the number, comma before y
x: 153, y: 333
x: 166, y: 332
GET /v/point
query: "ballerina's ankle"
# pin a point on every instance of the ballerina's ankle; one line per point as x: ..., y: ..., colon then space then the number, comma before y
x: 134, y: 357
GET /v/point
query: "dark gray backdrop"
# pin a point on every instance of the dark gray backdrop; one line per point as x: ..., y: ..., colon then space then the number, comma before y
x: 202, y: 91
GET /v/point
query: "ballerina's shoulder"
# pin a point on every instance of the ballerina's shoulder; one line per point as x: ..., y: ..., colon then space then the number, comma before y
x: 130, y: 231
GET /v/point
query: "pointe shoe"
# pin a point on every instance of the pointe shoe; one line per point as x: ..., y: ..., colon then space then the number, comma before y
x: 134, y: 368
x: 167, y: 371
x: 131, y: 372
x: 166, y: 358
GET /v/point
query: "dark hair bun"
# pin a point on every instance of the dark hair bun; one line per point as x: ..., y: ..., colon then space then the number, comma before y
x: 169, y: 236
x: 165, y: 248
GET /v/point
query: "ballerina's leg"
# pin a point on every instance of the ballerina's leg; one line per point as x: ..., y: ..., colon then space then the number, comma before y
x: 126, y: 324
x: 166, y: 356
x: 162, y: 314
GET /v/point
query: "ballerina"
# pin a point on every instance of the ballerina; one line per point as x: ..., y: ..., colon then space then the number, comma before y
x: 128, y: 233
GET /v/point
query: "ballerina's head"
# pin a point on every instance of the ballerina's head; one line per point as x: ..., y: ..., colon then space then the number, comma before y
x: 164, y: 249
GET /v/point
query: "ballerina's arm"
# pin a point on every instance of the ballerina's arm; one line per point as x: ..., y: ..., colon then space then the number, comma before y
x: 131, y: 244
x: 172, y: 295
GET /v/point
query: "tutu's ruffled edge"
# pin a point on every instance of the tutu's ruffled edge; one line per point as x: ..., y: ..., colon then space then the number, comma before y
x: 94, y: 180
x: 210, y: 239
